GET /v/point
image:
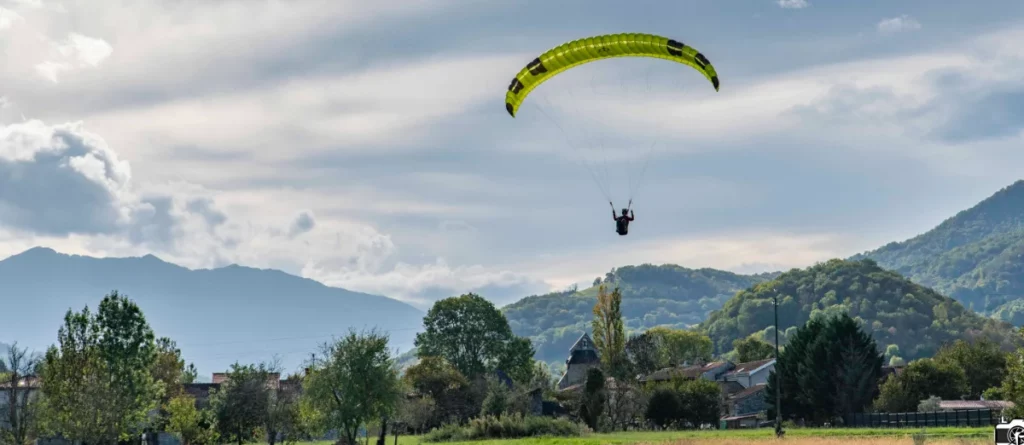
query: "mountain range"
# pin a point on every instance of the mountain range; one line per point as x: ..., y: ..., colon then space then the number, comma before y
x: 216, y: 316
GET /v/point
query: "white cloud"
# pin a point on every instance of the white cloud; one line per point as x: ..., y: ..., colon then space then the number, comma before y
x: 898, y: 24
x: 77, y: 51
x: 793, y: 4
x: 8, y: 17
x: 29, y: 3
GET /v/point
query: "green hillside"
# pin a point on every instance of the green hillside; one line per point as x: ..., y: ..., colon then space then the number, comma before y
x: 651, y: 296
x: 976, y: 257
x: 892, y: 308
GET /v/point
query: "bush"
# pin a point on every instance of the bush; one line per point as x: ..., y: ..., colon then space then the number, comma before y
x: 508, y: 427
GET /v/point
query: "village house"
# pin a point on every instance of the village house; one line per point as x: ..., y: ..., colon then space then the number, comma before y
x: 582, y: 357
x: 742, y: 386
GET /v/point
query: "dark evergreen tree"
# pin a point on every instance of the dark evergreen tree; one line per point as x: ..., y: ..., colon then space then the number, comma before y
x: 829, y: 369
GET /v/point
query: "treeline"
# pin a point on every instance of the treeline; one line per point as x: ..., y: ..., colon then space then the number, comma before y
x: 109, y: 379
x: 895, y: 311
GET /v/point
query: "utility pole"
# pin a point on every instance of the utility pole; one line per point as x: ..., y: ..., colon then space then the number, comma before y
x: 778, y: 378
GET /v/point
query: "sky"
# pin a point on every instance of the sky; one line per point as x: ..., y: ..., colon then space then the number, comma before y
x: 366, y: 144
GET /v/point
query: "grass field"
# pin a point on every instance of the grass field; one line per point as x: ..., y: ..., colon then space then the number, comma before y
x: 795, y: 436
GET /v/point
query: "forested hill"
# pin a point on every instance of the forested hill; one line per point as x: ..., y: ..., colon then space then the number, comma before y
x: 651, y: 296
x: 976, y: 257
x: 916, y: 319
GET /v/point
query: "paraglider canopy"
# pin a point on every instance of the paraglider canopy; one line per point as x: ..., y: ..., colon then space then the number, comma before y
x: 579, y: 52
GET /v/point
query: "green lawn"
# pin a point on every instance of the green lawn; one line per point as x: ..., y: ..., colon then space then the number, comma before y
x: 652, y: 437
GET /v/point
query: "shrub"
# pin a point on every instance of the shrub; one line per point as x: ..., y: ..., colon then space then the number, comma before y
x: 507, y: 427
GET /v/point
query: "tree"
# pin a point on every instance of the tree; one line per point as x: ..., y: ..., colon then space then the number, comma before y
x: 20, y: 409
x: 474, y: 336
x: 594, y: 397
x: 643, y: 354
x: 609, y: 337
x: 170, y: 373
x: 625, y: 403
x: 242, y: 403
x: 681, y: 345
x: 920, y: 380
x: 983, y: 362
x: 752, y: 349
x: 416, y: 412
x: 829, y: 369
x: 193, y: 426
x: 930, y: 404
x: 450, y: 391
x: 663, y: 407
x: 1013, y: 385
x: 97, y: 384
x: 354, y: 381
x: 700, y: 402
x: 498, y: 399
x: 283, y: 414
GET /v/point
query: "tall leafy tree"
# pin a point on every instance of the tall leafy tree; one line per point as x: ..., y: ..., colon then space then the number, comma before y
x: 643, y: 354
x: 829, y: 369
x: 682, y: 345
x: 752, y: 349
x: 983, y: 362
x: 354, y: 381
x: 97, y: 383
x: 474, y: 336
x: 242, y: 404
x: 170, y: 372
x: 1012, y: 388
x: 920, y: 380
x: 609, y: 334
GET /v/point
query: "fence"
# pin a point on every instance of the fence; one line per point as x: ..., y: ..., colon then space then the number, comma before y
x: 971, y: 417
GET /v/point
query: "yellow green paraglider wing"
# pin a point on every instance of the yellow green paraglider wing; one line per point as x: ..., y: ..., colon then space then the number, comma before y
x: 579, y: 52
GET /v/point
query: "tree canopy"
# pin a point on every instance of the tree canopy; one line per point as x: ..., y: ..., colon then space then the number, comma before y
x: 891, y: 308
x: 473, y: 335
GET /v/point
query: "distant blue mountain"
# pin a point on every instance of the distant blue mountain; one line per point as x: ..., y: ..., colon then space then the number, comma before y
x: 217, y: 316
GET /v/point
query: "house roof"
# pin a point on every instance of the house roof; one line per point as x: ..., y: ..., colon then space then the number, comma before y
x: 583, y: 343
x: 975, y: 404
x: 730, y: 387
x: 686, y: 372
x: 749, y: 367
x: 747, y: 392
